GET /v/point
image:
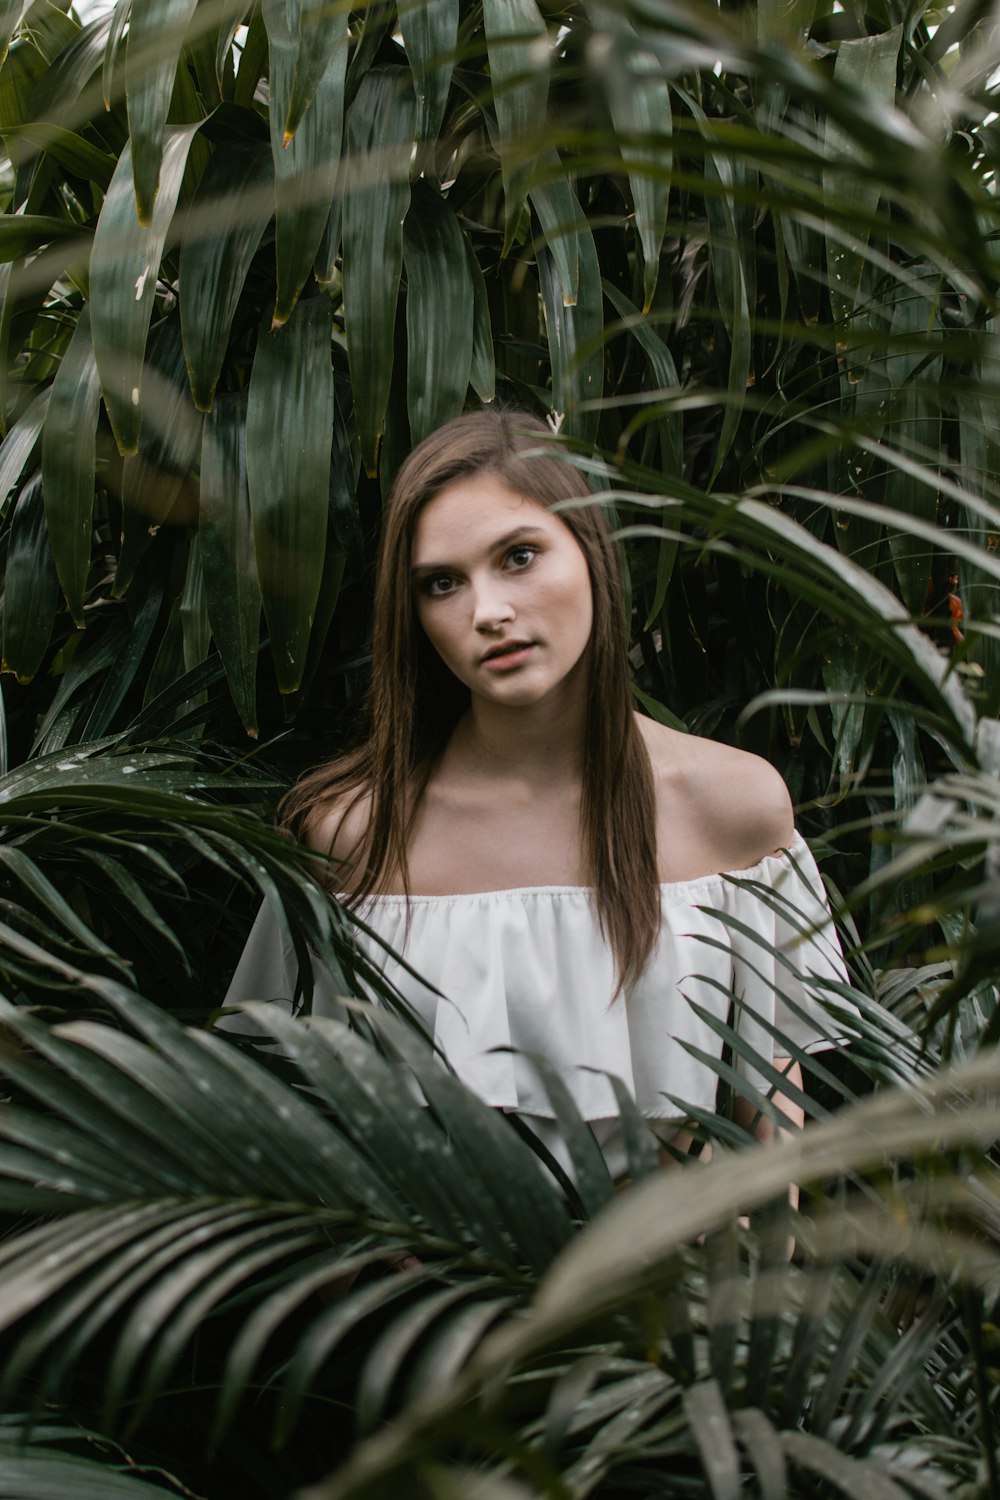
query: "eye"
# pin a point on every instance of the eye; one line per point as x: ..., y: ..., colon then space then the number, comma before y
x: 522, y: 557
x: 437, y: 586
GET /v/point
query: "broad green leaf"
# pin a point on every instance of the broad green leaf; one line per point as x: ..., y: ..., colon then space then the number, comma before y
x: 483, y: 374
x: 377, y: 194
x: 73, y: 152
x: 705, y: 1408
x: 914, y: 413
x: 322, y: 33
x: 639, y: 101
x: 560, y: 218
x: 867, y: 64
x: 224, y: 42
x: 762, y: 1443
x: 72, y: 77
x: 10, y: 19
x: 116, y: 31
x: 31, y: 586
x: 346, y: 522
x: 51, y: 29
x: 663, y: 371
x: 23, y: 234
x: 326, y: 267
x: 306, y: 164
x: 18, y: 446
x: 231, y: 210
x: 227, y: 550
x: 430, y: 34
x: 125, y: 264
x: 22, y: 71
x: 161, y: 473
x: 68, y: 461
x: 729, y: 277
x: 576, y: 348
x: 440, y: 304
x: 288, y: 434
x: 196, y: 628
x: 851, y: 1476
x: 126, y: 668
x: 518, y: 45
x: 36, y: 1473
x: 253, y: 61
x: 155, y: 37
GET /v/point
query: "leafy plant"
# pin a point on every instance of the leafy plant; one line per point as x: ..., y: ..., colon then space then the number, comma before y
x: 744, y: 258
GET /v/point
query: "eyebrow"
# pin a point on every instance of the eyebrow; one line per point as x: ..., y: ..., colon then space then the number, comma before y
x: 518, y: 534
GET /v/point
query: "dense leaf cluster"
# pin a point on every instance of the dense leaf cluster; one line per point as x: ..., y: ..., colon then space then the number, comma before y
x: 743, y: 256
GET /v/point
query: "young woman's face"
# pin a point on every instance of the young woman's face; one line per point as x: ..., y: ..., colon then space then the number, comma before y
x: 502, y: 591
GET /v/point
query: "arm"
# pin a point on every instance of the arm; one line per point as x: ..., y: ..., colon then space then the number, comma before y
x: 746, y: 1115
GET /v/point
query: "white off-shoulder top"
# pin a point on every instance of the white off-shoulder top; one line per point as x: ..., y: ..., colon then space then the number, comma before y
x: 528, y: 971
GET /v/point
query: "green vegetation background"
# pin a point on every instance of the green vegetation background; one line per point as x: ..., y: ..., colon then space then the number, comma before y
x: 744, y: 257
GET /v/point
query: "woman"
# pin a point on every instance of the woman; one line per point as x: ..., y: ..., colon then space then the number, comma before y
x: 547, y: 859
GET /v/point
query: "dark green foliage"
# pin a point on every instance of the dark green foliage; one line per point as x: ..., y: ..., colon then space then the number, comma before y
x: 744, y: 259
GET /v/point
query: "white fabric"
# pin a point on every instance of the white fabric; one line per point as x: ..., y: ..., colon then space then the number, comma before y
x: 529, y: 969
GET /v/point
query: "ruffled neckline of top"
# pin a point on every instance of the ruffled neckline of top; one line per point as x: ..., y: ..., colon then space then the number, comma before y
x: 765, y: 869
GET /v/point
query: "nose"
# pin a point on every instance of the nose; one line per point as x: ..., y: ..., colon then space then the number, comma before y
x: 491, y: 609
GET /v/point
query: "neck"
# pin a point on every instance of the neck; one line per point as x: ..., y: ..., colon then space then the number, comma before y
x: 544, y: 743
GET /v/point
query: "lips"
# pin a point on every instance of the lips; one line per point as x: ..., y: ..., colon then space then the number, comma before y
x: 509, y: 648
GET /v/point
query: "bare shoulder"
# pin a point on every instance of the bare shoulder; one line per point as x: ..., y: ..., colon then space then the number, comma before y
x: 718, y: 808
x: 337, y: 827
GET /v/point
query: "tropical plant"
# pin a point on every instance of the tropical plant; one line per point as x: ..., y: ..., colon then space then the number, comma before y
x: 744, y: 257
x: 185, y: 1269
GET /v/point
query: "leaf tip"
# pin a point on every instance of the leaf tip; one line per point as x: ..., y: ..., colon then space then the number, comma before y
x: 286, y: 139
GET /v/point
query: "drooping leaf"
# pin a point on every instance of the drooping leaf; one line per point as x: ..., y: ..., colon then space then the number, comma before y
x: 377, y: 192
x: 915, y: 415
x: 21, y: 234
x: 576, y: 348
x: 21, y: 74
x: 288, y: 434
x: 306, y: 163
x: 322, y: 33
x: 226, y: 531
x: 483, y: 374
x: 124, y: 267
x: 639, y: 101
x: 155, y: 38
x: 17, y: 447
x: 68, y: 462
x: 868, y: 64
x: 10, y: 20
x: 31, y: 586
x: 440, y: 303
x: 74, y: 153
x: 118, y: 20
x: 160, y: 475
x: 518, y: 44
x: 430, y: 32
x: 560, y: 218
x: 234, y: 201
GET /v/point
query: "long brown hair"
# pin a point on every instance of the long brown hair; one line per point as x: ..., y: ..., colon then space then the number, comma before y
x: 415, y: 702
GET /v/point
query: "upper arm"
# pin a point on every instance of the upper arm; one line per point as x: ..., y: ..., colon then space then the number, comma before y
x: 337, y: 829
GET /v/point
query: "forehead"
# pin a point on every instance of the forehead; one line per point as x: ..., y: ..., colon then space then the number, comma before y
x: 471, y: 514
